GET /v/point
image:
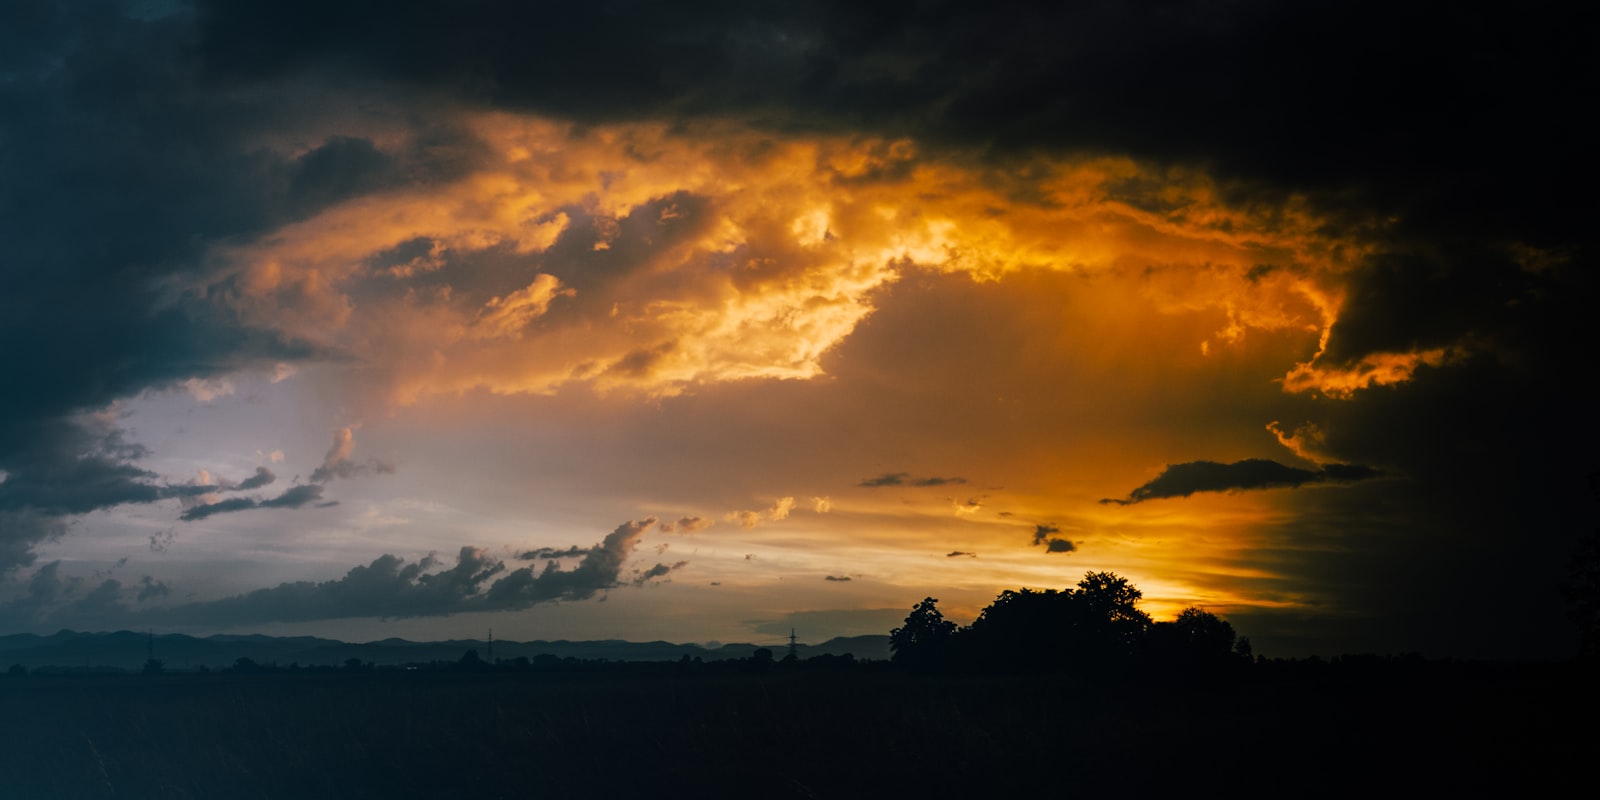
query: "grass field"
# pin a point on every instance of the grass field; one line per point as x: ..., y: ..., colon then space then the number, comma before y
x: 791, y: 734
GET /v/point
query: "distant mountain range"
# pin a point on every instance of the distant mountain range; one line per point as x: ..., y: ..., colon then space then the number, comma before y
x: 129, y: 650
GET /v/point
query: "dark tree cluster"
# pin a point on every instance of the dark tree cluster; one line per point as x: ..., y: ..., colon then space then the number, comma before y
x: 1095, y: 628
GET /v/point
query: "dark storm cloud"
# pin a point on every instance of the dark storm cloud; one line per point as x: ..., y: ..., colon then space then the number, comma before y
x: 1059, y: 546
x: 20, y: 531
x: 386, y: 588
x: 45, y: 588
x: 1311, y: 94
x: 220, y: 507
x: 960, y: 553
x: 150, y: 588
x: 293, y: 497
x: 837, y: 578
x: 391, y: 587
x: 188, y: 491
x: 118, y: 170
x: 596, y: 572
x: 1182, y: 480
x: 263, y: 477
x: 56, y: 469
x: 343, y: 167
x: 104, y: 600
x: 545, y: 553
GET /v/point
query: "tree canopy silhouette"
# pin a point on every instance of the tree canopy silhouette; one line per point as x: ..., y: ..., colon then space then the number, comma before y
x: 923, y: 641
x: 1095, y: 628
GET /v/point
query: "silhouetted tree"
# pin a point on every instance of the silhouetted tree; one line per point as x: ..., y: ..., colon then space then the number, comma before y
x: 470, y: 661
x: 923, y: 642
x: 1206, y: 634
x: 1021, y: 630
x: 154, y: 666
x: 760, y: 661
x: 1197, y: 643
x: 1110, y: 597
x: 1094, y: 628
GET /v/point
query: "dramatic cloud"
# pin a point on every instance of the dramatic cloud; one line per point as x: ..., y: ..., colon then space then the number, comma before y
x: 391, y: 587
x: 597, y: 571
x: 837, y: 578
x: 1182, y: 480
x: 677, y: 255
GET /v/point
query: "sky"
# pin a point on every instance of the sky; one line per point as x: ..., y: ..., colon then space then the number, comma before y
x: 705, y: 321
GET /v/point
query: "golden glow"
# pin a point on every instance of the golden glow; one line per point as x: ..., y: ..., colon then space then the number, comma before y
x: 647, y: 261
x: 760, y: 254
x: 1376, y: 369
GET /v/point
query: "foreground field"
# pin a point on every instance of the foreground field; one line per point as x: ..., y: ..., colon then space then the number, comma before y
x: 1459, y: 732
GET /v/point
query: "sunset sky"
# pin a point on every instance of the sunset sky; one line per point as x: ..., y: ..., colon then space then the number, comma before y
x: 702, y: 321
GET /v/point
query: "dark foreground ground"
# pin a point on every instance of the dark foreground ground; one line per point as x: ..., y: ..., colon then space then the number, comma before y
x: 1438, y: 732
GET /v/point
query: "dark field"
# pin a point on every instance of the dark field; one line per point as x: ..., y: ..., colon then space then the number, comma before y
x: 1451, y: 730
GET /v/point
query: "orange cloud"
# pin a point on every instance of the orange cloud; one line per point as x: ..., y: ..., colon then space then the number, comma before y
x: 648, y: 259
x: 1375, y: 369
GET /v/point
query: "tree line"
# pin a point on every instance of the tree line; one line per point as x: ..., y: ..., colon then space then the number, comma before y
x: 1095, y: 628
